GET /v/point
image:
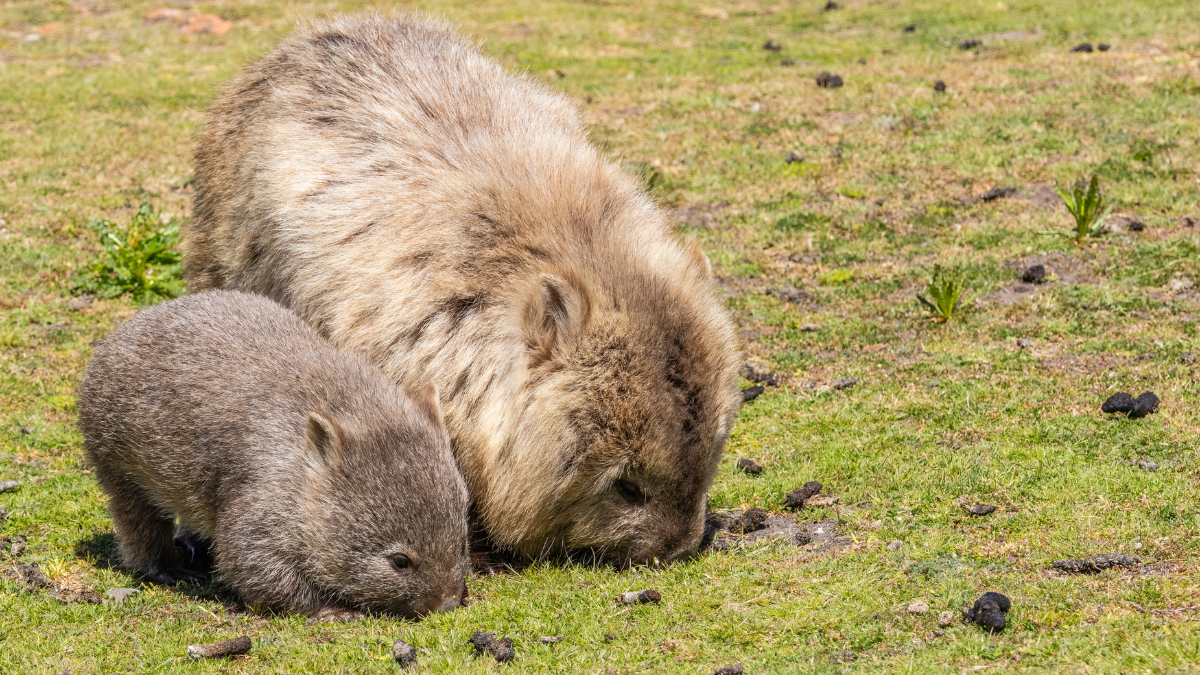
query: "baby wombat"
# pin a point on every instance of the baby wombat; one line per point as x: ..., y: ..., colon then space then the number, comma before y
x: 320, y: 487
x: 418, y: 205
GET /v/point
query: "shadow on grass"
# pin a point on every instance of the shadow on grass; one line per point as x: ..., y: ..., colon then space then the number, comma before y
x: 102, y: 551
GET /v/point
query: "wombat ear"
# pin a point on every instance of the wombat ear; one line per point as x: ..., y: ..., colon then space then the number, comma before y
x: 698, y: 260
x: 427, y: 401
x: 324, y: 439
x: 555, y: 316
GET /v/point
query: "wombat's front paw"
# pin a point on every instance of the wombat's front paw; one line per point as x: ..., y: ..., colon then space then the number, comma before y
x: 173, y: 575
x: 195, y: 551
x: 336, y: 614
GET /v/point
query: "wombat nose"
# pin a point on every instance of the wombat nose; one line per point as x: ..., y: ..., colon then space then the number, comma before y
x: 448, y: 604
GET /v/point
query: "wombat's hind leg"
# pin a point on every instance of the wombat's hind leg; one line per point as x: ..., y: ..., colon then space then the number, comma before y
x: 146, y: 535
x: 195, y: 552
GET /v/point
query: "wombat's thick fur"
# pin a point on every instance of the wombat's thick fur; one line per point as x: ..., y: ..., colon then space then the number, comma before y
x: 320, y: 487
x: 415, y: 203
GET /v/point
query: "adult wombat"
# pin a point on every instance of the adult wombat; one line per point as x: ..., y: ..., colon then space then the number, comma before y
x: 321, y: 487
x: 416, y: 204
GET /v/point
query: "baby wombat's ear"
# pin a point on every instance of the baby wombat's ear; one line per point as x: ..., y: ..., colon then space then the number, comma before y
x: 427, y: 402
x: 324, y: 440
x: 554, y: 316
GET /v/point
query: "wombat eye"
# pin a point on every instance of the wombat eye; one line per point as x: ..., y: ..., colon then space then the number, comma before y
x: 401, y: 561
x: 630, y: 491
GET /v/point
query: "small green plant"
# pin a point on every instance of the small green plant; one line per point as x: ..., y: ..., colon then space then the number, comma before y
x: 1085, y: 205
x: 945, y: 294
x: 139, y: 259
x: 836, y: 277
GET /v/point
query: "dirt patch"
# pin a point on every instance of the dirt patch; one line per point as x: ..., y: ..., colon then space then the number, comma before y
x: 820, y: 536
x: 698, y: 215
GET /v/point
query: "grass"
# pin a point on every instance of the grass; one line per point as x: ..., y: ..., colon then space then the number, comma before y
x: 98, y: 113
x: 1086, y: 206
x: 945, y: 292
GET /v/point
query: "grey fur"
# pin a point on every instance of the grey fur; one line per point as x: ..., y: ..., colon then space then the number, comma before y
x: 302, y: 466
x: 416, y: 204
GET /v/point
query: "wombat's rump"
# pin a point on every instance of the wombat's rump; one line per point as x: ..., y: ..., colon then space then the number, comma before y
x: 319, y: 486
x: 416, y: 204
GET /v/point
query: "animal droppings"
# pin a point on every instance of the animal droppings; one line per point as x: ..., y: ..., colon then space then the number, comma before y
x: 981, y: 509
x: 751, y: 393
x: 1145, y: 404
x: 759, y: 373
x: 830, y: 6
x: 9, y: 485
x: 918, y: 607
x: 844, y: 383
x: 1083, y: 48
x: 1025, y: 343
x: 772, y: 46
x: 809, y: 327
x: 750, y: 521
x: 829, y: 81
x: 969, y: 44
x: 989, y: 611
x: 17, y: 545
x: 404, y: 653
x: 910, y: 28
x: 895, y: 545
x: 486, y: 643
x: 1096, y: 563
x: 222, y: 649
x: 939, y: 86
x: 793, y: 157
x: 733, y: 669
x: 1147, y: 465
x: 787, y: 62
x: 1119, y: 402
x: 997, y: 193
x: 1103, y: 47
x: 749, y: 466
x: 32, y: 576
x: 639, y: 597
x: 1034, y: 275
x: 797, y: 497
x: 817, y: 501
x: 550, y: 639
x: 945, y: 619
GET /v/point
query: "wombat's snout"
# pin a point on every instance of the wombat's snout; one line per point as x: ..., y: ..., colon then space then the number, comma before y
x: 439, y: 603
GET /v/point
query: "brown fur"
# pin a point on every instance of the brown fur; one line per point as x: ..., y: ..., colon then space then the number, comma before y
x: 417, y: 204
x: 305, y: 469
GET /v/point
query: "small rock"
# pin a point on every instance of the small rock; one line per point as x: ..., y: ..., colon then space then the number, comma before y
x: 793, y: 157
x: 1034, y: 275
x: 1095, y: 563
x: 895, y: 545
x: 32, y: 576
x: 789, y: 294
x: 1120, y: 402
x: 981, y: 509
x: 989, y: 611
x: 910, y: 28
x: 1180, y: 284
x: 81, y: 303
x: 759, y: 373
x: 550, y: 639
x: 917, y: 607
x: 222, y: 649
x: 1145, y: 404
x: 733, y: 669
x: 945, y: 619
x: 997, y: 193
x: 829, y: 81
x: 787, y: 63
x: 749, y: 466
x: 751, y: 521
x: 969, y: 44
x: 939, y: 86
x: 809, y: 327
x: 3, y: 514
x: 1083, y: 47
x: 820, y: 500
x: 1103, y: 47
x: 797, y: 497
x: 501, y: 650
x: 404, y: 653
x: 119, y: 595
x: 206, y: 24
x: 751, y: 393
x: 9, y: 485
x: 1147, y: 465
x: 772, y: 46
x: 844, y: 383
x: 1025, y: 343
x: 639, y: 597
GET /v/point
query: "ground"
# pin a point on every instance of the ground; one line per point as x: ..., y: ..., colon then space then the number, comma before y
x: 98, y: 109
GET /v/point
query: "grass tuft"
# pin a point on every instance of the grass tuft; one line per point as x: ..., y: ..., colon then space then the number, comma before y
x: 139, y: 259
x: 945, y: 291
x: 1086, y: 206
